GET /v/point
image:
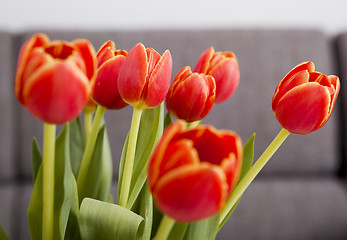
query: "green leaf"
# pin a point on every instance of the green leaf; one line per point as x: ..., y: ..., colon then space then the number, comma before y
x: 178, y: 231
x: 204, y: 229
x: 77, y: 143
x: 167, y: 120
x: 106, y: 173
x: 247, y: 162
x: 3, y: 235
x: 36, y: 158
x: 144, y: 207
x: 65, y: 192
x: 149, y: 134
x: 92, y: 184
x: 101, y: 220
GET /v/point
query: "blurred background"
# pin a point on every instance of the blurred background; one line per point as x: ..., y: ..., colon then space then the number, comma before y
x: 17, y: 15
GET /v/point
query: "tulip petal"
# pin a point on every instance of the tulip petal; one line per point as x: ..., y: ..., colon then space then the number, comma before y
x: 294, y: 80
x: 106, y: 91
x: 132, y: 77
x: 35, y: 41
x: 203, y: 63
x: 191, y: 192
x: 158, y: 154
x: 57, y: 92
x: 192, y: 98
x: 159, y: 81
x: 87, y: 52
x: 105, y: 52
x: 227, y: 76
x: 304, y: 108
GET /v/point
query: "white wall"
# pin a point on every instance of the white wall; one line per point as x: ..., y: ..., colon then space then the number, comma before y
x: 329, y: 15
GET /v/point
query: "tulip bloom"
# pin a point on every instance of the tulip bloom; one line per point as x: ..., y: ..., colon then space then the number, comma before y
x: 192, y: 171
x: 144, y: 78
x: 223, y: 66
x: 54, y: 78
x: 191, y: 95
x: 106, y: 91
x: 304, y: 99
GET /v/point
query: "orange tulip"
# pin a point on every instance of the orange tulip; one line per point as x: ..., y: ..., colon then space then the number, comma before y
x: 144, y: 78
x: 224, y: 68
x: 304, y: 99
x: 192, y: 171
x: 54, y: 78
x: 191, y: 95
x: 106, y: 91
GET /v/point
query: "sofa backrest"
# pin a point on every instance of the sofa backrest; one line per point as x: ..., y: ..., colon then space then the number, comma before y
x: 264, y: 56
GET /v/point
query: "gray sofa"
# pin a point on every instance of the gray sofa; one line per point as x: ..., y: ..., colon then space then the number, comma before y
x: 300, y: 194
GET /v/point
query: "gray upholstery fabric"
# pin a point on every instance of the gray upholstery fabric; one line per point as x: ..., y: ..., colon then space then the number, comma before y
x: 7, y: 125
x: 264, y: 57
x: 288, y: 208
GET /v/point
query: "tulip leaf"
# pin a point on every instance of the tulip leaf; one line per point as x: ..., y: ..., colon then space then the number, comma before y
x: 99, y: 172
x: 178, y: 231
x: 77, y: 144
x: 65, y: 192
x: 3, y: 234
x: 167, y: 120
x: 247, y: 162
x: 106, y: 221
x: 36, y: 158
x: 104, y: 188
x: 144, y: 207
x: 203, y: 229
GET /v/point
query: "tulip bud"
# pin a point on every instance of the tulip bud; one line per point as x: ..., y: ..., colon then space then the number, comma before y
x: 106, y: 91
x: 192, y: 171
x: 304, y: 99
x: 144, y: 78
x: 224, y: 68
x: 54, y: 78
x: 191, y: 95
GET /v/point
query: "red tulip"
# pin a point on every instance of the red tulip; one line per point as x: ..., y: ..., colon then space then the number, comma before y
x: 191, y: 95
x: 304, y: 99
x: 192, y: 171
x: 106, y: 91
x: 54, y: 78
x: 223, y: 66
x: 144, y: 78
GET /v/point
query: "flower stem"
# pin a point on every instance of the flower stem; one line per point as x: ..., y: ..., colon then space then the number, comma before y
x: 48, y: 180
x: 88, y: 151
x: 164, y: 229
x: 129, y: 158
x: 253, y: 172
x: 88, y: 120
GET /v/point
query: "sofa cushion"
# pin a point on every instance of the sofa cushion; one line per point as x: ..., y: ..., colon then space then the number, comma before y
x: 290, y: 208
x: 264, y: 56
x: 7, y: 120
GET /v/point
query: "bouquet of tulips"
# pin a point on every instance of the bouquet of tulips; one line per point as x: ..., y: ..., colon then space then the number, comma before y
x: 177, y: 179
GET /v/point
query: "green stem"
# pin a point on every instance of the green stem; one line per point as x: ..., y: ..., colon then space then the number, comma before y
x: 164, y: 229
x: 88, y: 151
x: 253, y: 172
x: 48, y: 180
x: 129, y: 158
x: 88, y: 120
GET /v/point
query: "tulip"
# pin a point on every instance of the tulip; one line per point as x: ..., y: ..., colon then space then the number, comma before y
x: 191, y: 95
x: 144, y: 78
x: 54, y: 78
x: 304, y: 99
x: 223, y: 66
x: 106, y: 91
x: 192, y: 171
